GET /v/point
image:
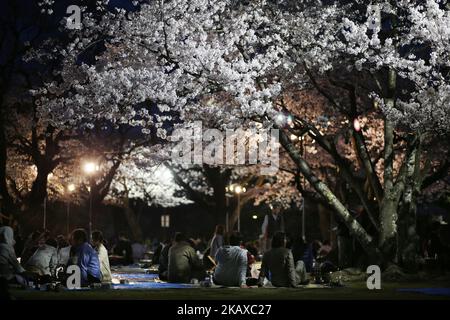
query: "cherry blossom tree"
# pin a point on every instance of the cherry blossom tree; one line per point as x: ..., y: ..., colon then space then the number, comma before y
x: 230, y: 63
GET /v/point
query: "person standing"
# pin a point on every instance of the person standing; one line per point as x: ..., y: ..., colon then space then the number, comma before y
x: 273, y: 222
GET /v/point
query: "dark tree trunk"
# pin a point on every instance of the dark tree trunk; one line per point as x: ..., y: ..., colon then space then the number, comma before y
x: 389, y: 204
x: 218, y: 180
x: 38, y: 189
x: 408, y: 239
x: 6, y: 202
x: 366, y: 241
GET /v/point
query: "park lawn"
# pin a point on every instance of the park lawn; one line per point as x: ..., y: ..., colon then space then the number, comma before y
x: 352, y: 291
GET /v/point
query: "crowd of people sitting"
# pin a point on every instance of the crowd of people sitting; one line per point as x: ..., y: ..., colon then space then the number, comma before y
x: 231, y: 262
x: 225, y: 259
x: 45, y: 259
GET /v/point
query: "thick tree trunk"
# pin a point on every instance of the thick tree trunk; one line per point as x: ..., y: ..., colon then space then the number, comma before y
x: 6, y: 203
x: 133, y: 223
x: 408, y: 240
x: 368, y: 166
x: 388, y: 210
x: 346, y: 173
x: 355, y: 228
x: 219, y: 181
x: 38, y: 189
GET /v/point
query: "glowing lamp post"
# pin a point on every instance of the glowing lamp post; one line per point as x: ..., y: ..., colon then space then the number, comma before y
x: 238, y: 190
x: 70, y: 189
x: 356, y: 125
x: 90, y: 168
x: 49, y: 177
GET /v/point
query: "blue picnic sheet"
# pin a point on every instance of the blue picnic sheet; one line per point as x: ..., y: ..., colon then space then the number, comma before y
x: 140, y: 281
x: 429, y: 291
x: 151, y: 285
x: 135, y: 276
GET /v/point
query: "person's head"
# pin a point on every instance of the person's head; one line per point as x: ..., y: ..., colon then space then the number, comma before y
x: 220, y: 229
x: 276, y: 207
x: 299, y: 241
x: 251, y: 245
x: 326, y: 242
x: 234, y: 239
x: 7, y: 235
x: 97, y: 238
x: 42, y: 240
x: 123, y: 235
x: 35, y: 235
x: 62, y: 242
x: 192, y: 243
x: 279, y: 240
x: 316, y: 244
x: 79, y: 236
x: 52, y: 242
x: 179, y: 237
x: 436, y: 226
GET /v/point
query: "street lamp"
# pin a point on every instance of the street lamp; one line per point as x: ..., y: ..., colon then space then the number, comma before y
x: 90, y: 168
x: 238, y: 190
x: 70, y: 189
x: 356, y: 125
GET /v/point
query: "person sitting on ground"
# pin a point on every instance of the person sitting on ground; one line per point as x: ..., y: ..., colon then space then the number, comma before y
x: 97, y: 243
x: 30, y: 246
x: 139, y: 249
x: 200, y: 244
x: 252, y: 248
x: 85, y: 257
x: 327, y: 257
x: 157, y: 254
x: 63, y: 250
x: 20, y: 242
x: 231, y: 269
x: 10, y: 269
x: 184, y: 263
x: 123, y: 250
x: 278, y: 265
x: 325, y: 249
x: 298, y: 248
x: 43, y: 263
x: 163, y: 260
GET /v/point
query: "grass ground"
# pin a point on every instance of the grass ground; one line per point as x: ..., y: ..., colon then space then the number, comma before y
x: 352, y: 291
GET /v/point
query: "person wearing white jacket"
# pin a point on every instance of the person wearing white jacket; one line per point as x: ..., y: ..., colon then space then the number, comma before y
x: 44, y: 260
x: 97, y: 243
